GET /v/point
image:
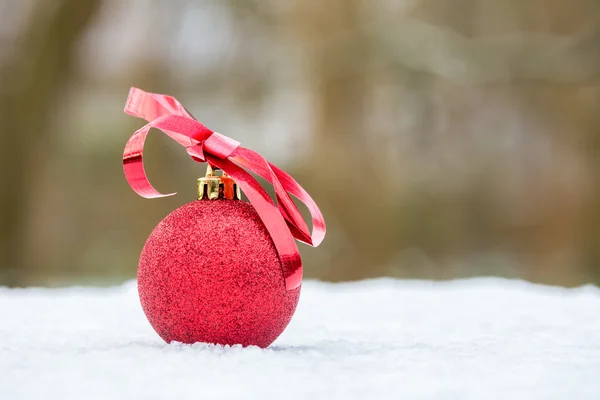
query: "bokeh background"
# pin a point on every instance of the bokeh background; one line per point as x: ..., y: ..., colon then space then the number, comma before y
x: 442, y: 138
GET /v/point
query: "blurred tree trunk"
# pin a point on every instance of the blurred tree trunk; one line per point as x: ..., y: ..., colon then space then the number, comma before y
x: 33, y: 79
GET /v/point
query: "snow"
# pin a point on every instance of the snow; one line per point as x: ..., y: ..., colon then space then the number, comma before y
x: 379, y: 339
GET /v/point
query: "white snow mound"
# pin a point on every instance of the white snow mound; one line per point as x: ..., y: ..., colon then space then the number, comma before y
x: 379, y: 339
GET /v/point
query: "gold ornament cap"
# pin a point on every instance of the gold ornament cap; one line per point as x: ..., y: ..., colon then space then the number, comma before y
x: 213, y: 187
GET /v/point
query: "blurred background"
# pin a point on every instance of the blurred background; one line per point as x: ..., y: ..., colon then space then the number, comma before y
x: 441, y: 138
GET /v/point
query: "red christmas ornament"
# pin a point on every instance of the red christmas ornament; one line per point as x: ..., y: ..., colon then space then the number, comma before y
x: 209, y: 272
x: 219, y: 270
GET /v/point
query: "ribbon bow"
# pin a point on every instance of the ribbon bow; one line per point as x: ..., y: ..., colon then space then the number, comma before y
x: 282, y: 220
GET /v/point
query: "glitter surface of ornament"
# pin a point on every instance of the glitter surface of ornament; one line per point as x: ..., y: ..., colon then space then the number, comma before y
x: 209, y: 272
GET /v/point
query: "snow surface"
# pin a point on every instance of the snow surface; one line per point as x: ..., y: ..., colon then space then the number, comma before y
x: 380, y: 339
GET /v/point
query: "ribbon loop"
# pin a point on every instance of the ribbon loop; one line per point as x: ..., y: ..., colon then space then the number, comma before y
x: 282, y: 220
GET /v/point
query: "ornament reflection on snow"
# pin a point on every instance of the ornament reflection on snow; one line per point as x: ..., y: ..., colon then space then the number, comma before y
x: 219, y: 269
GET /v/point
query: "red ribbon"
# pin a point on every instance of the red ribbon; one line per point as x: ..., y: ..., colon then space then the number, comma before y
x: 283, y: 221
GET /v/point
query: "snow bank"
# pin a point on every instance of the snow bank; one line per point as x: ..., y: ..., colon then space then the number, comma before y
x: 381, y: 339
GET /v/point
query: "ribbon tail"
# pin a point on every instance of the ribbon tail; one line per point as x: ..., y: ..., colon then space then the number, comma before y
x: 284, y: 183
x: 318, y: 221
x: 283, y: 240
x: 259, y: 165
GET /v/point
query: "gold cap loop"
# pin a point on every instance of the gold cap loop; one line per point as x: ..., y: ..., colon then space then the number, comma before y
x: 213, y: 187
